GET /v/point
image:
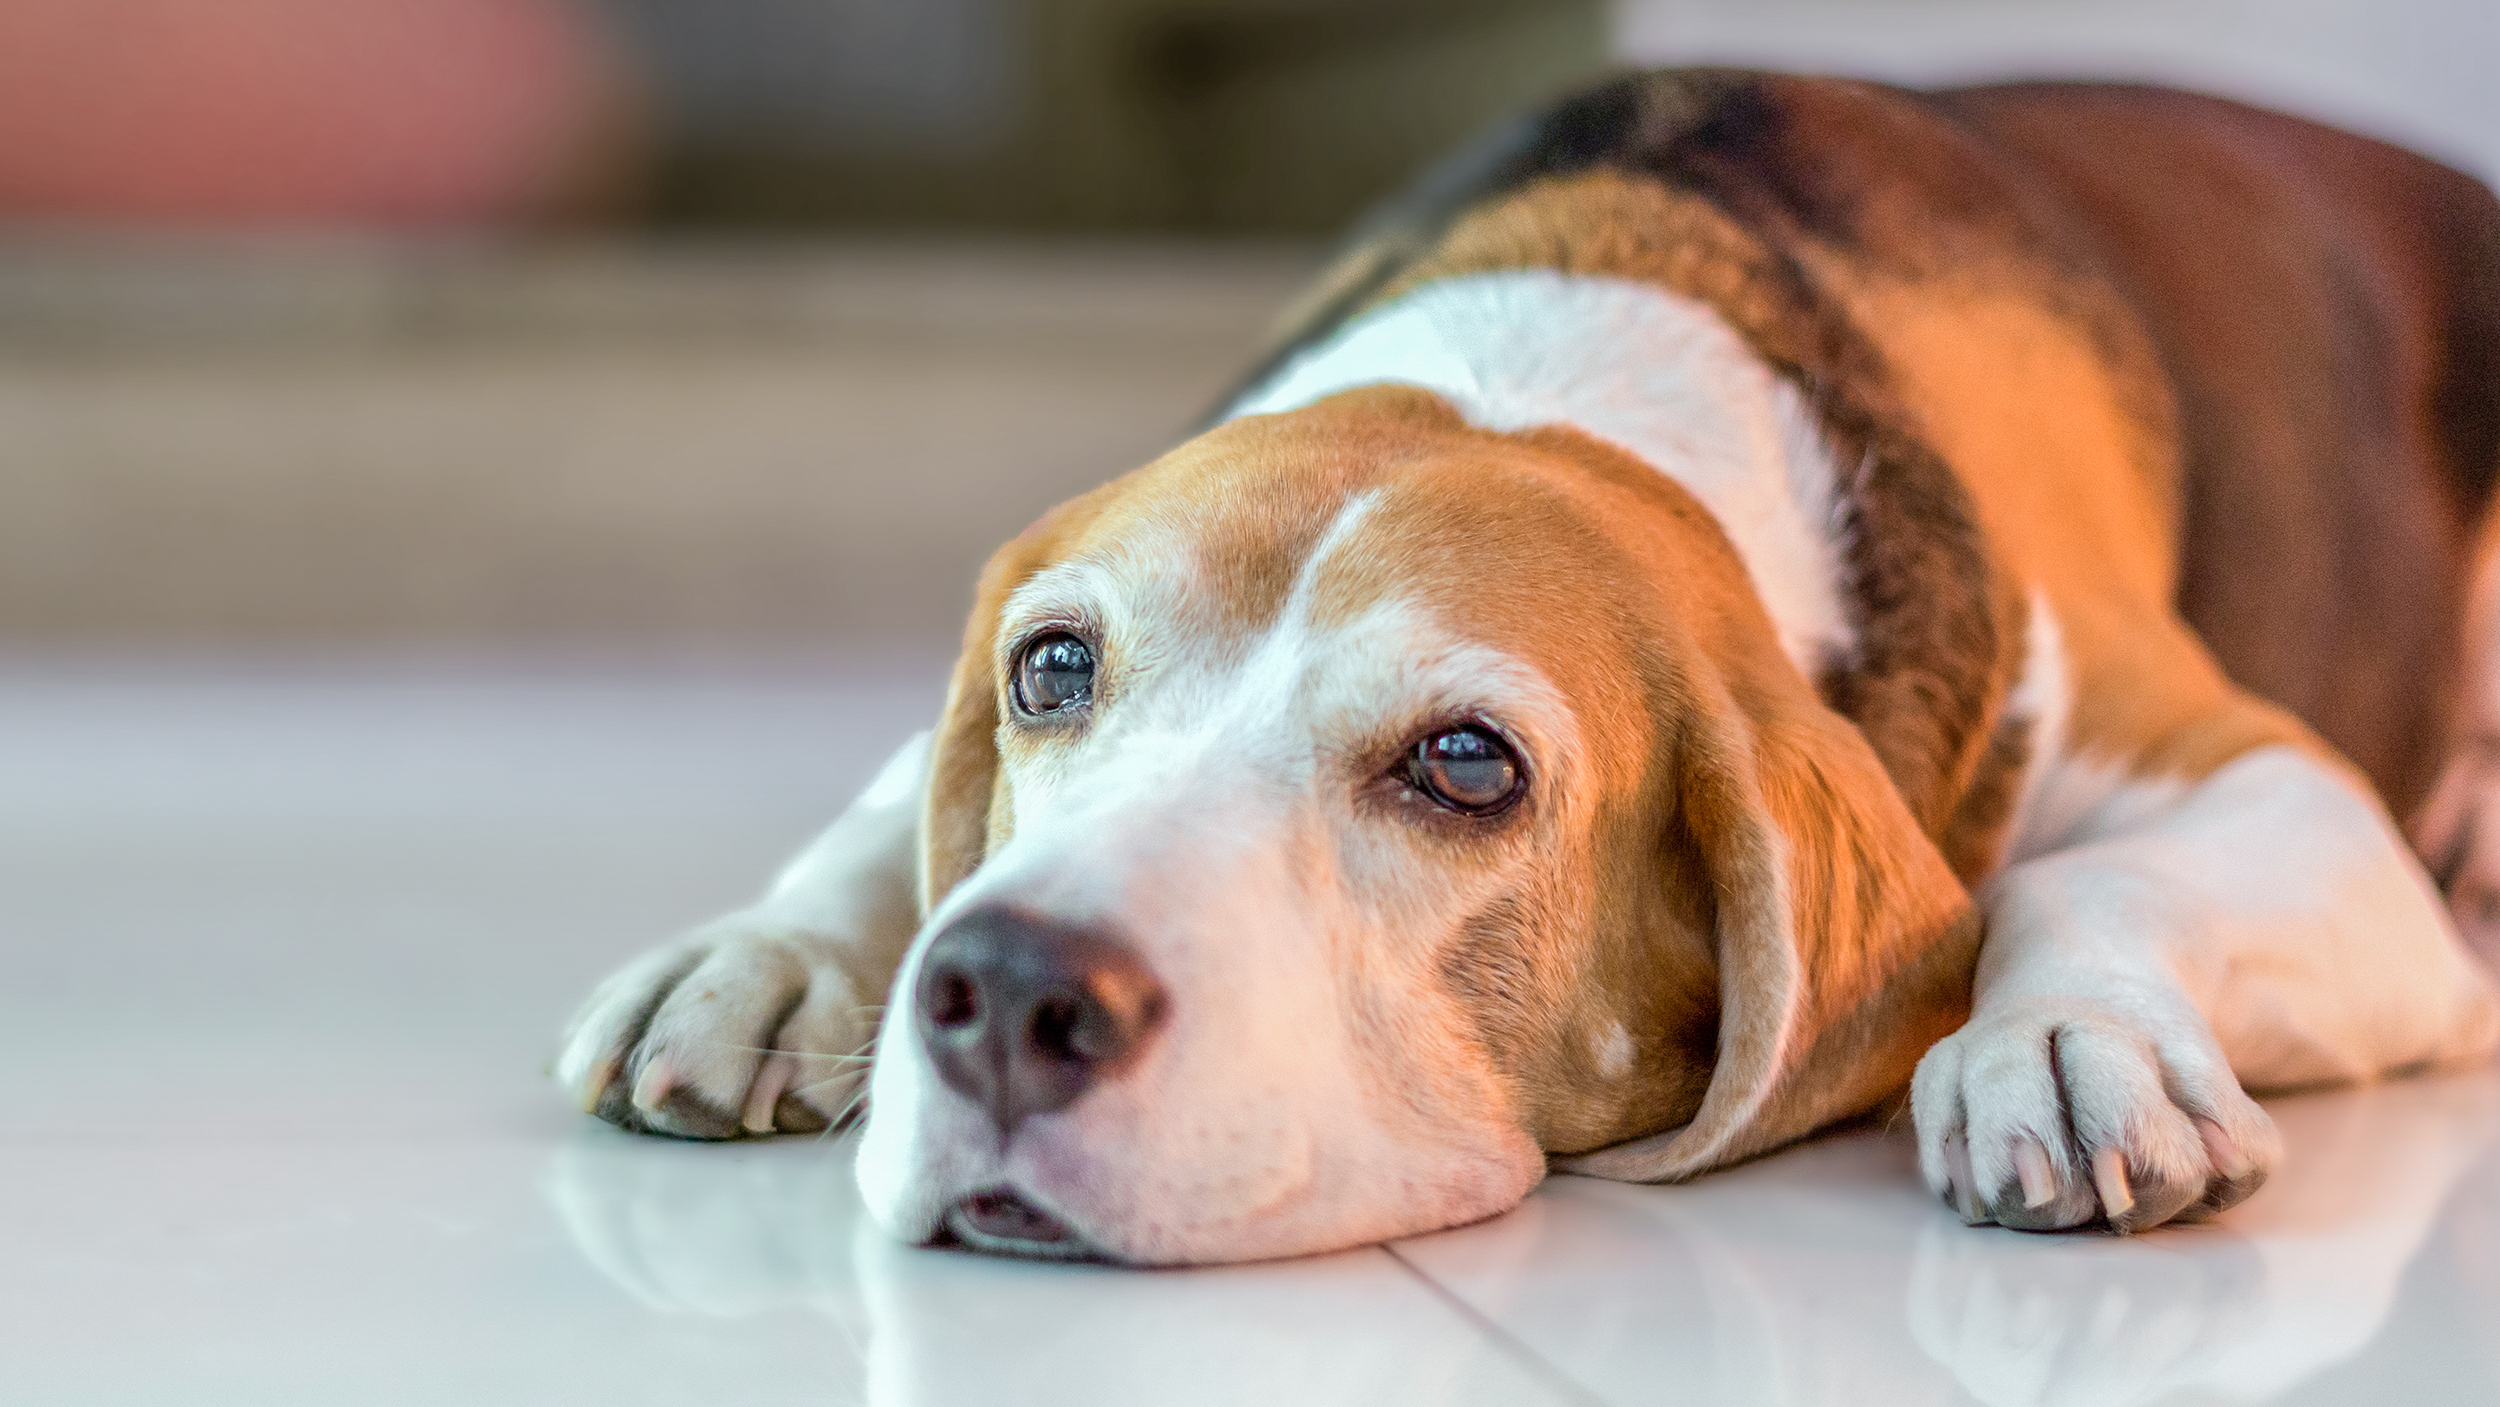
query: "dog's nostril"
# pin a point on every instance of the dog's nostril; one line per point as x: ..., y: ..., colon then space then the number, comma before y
x: 1022, y: 1015
x: 1055, y: 1028
x: 954, y: 1001
x: 1000, y: 1215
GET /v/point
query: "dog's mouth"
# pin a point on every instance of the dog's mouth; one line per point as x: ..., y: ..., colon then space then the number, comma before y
x: 1001, y: 1221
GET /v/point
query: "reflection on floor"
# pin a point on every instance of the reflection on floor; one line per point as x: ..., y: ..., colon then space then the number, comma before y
x: 287, y: 949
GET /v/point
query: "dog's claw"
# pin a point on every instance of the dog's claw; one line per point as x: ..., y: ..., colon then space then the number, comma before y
x: 2109, y: 1176
x: 2031, y: 1165
x: 1957, y: 1162
x: 652, y: 1090
x: 602, y: 1075
x: 771, y: 1082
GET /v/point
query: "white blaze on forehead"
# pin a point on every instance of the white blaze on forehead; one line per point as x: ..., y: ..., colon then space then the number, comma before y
x: 1656, y: 373
x: 1341, y: 529
x: 1150, y: 581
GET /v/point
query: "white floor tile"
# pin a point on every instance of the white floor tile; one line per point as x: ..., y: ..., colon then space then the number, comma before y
x: 1826, y: 1275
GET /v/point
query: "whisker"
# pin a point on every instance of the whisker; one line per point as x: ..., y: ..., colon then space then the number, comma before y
x: 733, y: 1045
x: 848, y: 1109
x: 859, y: 1055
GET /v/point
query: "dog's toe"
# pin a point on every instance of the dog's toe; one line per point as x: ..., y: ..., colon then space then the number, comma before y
x: 2067, y: 1116
x: 734, y: 1032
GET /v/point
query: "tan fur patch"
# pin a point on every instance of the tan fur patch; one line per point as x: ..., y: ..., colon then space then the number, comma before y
x: 1939, y: 625
x: 2032, y: 421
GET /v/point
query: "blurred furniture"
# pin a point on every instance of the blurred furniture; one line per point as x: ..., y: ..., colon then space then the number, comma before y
x: 1196, y: 115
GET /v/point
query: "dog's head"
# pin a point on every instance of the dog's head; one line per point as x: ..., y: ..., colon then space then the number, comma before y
x: 1352, y: 809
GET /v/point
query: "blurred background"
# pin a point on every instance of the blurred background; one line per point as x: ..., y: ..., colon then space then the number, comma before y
x: 481, y: 480
x: 668, y: 325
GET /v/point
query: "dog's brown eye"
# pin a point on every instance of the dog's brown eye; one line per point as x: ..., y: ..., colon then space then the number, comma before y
x: 1466, y: 769
x: 1056, y: 672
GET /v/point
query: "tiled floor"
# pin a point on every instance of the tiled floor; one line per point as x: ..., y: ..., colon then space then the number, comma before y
x: 286, y: 947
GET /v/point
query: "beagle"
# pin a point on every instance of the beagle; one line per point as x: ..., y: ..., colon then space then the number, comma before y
x: 1740, y: 597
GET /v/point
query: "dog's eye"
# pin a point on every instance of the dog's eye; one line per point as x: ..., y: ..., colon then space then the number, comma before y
x: 1466, y: 769
x: 1056, y: 672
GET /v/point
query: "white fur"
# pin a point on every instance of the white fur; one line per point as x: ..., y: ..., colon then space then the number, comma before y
x: 1311, y: 1087
x: 2264, y: 926
x: 1659, y: 374
x: 2041, y: 699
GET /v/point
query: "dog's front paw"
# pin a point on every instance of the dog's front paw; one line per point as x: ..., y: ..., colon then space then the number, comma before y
x: 744, y: 1028
x: 2056, y: 1114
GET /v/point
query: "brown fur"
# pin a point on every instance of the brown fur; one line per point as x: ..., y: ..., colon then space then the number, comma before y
x: 1735, y: 869
x: 2094, y: 346
x: 2265, y: 349
x: 1939, y: 629
x: 2326, y: 310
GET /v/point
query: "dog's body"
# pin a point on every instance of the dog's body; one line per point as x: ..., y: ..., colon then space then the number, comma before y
x: 1857, y: 534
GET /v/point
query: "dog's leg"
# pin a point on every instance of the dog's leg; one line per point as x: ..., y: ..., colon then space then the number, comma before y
x: 761, y: 1021
x: 2265, y: 926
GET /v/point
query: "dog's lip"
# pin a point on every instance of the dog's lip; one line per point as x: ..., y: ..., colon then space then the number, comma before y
x: 1003, y: 1221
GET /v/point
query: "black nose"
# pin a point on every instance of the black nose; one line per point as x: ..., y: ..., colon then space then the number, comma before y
x: 1022, y: 1015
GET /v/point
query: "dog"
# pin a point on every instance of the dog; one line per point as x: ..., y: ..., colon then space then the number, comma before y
x: 1739, y: 597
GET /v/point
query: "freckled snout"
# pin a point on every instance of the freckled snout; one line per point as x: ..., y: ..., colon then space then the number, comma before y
x: 1021, y: 1015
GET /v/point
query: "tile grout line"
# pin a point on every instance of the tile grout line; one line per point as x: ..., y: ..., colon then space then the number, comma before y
x: 1508, y: 1343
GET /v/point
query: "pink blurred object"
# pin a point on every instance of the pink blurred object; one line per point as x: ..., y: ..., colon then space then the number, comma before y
x: 425, y: 113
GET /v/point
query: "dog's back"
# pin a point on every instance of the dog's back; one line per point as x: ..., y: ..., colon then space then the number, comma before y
x: 2326, y: 310
x: 2305, y: 325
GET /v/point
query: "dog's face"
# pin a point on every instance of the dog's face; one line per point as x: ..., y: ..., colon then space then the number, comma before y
x: 1345, y: 812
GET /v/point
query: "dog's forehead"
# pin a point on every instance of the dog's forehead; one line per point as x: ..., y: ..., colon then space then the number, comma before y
x: 1376, y: 507
x: 1217, y: 532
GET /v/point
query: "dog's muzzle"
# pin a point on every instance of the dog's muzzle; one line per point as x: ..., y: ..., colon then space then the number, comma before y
x: 1021, y: 1016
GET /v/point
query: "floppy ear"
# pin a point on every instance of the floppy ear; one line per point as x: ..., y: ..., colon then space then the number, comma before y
x: 966, y: 815
x: 963, y: 763
x: 1845, y: 944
